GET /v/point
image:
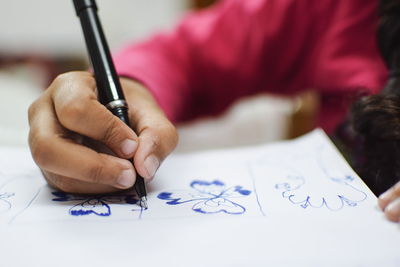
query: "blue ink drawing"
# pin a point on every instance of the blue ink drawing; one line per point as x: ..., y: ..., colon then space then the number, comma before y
x: 298, y: 189
x: 292, y: 190
x: 95, y: 204
x: 208, y: 197
x: 5, y: 205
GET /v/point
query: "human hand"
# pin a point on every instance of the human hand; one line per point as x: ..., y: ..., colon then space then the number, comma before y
x: 68, y: 113
x: 389, y: 202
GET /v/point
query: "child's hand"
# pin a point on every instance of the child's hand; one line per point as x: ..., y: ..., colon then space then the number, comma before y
x: 390, y: 203
x: 69, y: 110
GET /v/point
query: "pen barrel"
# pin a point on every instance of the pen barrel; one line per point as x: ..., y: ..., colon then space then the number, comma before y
x: 140, y: 187
x: 109, y: 88
x: 108, y: 85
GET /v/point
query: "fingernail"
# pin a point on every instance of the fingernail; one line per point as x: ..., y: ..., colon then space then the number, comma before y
x: 126, y: 179
x: 385, y: 196
x: 394, y: 208
x: 128, y: 146
x: 151, y: 164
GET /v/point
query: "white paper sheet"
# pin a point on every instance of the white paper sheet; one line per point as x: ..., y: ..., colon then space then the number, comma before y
x: 294, y: 203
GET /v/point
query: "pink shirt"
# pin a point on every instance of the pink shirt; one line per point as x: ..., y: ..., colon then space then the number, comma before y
x: 243, y: 47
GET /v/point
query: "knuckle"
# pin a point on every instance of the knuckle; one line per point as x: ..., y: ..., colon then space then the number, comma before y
x: 66, y: 76
x: 35, y: 107
x: 96, y: 173
x: 112, y: 130
x: 155, y: 141
x: 39, y: 145
x: 73, y: 76
x: 63, y: 77
x: 70, y: 113
x: 171, y: 134
x: 75, y: 79
x: 162, y: 137
x: 32, y: 110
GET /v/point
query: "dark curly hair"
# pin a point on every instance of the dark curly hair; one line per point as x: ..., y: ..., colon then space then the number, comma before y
x: 376, y: 118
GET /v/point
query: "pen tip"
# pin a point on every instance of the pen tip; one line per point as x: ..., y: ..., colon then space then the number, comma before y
x: 143, y: 203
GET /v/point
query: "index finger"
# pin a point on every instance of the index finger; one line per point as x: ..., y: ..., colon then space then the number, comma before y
x: 54, y: 151
x: 77, y: 109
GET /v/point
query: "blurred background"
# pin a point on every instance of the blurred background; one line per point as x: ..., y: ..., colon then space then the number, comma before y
x: 41, y: 39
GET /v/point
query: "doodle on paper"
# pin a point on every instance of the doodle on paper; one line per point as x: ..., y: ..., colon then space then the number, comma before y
x: 306, y: 188
x: 5, y: 205
x: 98, y: 204
x: 208, y: 197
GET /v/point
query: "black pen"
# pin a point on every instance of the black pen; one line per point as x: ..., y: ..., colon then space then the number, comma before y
x: 108, y: 86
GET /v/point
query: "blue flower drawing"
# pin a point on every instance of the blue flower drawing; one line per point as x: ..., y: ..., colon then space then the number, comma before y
x: 4, y: 203
x: 94, y: 204
x: 208, y: 197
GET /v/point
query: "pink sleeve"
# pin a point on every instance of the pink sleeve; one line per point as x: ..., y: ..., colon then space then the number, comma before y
x: 239, y: 48
x: 211, y: 58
